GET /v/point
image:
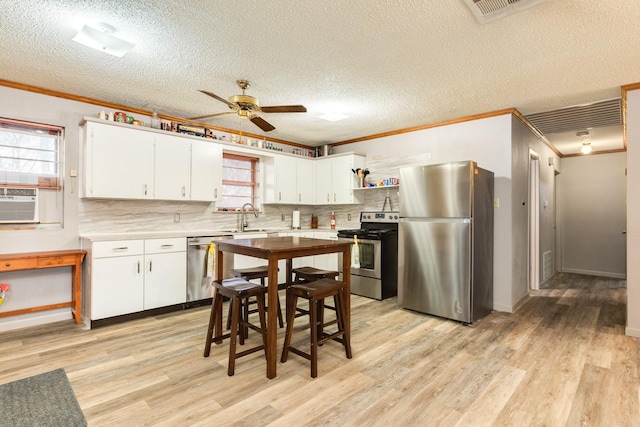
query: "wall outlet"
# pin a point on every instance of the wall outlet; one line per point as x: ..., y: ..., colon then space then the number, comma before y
x: 176, y: 217
x: 282, y: 217
x: 348, y: 217
x: 496, y: 202
x: 73, y: 173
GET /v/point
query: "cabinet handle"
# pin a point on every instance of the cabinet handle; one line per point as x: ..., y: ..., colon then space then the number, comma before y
x: 183, y: 191
x: 328, y: 198
x: 145, y: 189
x: 299, y: 196
x: 215, y: 193
x: 150, y: 265
x: 8, y: 264
x: 166, y: 246
x: 279, y: 196
x: 120, y: 249
x: 334, y: 197
x: 138, y: 267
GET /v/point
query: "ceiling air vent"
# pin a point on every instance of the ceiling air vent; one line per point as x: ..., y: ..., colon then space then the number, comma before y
x: 490, y: 10
x: 579, y: 117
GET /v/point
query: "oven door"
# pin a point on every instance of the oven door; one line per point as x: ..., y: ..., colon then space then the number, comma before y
x: 370, y: 254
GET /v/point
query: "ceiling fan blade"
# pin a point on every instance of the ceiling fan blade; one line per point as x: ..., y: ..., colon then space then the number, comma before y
x: 213, y: 95
x: 284, y: 109
x: 206, y: 116
x: 262, y: 123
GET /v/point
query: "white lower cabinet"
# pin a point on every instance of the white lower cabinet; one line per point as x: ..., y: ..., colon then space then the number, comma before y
x: 325, y: 261
x: 165, y: 273
x: 243, y: 261
x: 128, y: 276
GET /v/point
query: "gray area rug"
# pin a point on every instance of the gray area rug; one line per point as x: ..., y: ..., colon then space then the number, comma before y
x: 42, y: 400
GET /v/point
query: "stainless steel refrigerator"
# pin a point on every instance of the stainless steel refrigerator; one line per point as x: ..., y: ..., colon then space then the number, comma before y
x: 445, y: 240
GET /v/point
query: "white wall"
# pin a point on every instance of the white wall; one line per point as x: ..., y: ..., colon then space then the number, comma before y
x: 633, y: 213
x: 524, y: 144
x: 47, y: 286
x: 501, y: 144
x: 594, y: 215
x: 486, y: 141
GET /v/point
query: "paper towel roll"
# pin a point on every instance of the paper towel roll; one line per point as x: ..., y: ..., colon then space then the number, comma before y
x: 295, y: 222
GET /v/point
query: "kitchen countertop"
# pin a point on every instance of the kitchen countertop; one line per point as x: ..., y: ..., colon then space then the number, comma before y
x: 188, y: 233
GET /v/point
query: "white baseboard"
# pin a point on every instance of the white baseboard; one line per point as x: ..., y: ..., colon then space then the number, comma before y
x: 34, y: 319
x: 503, y: 308
x: 595, y: 273
x: 632, y: 332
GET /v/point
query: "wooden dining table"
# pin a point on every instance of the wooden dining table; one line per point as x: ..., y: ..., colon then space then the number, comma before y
x: 274, y: 249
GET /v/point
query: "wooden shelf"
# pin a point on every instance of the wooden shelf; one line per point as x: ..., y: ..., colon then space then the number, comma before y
x: 377, y: 188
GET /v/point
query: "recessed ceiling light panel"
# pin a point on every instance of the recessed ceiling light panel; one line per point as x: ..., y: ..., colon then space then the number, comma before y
x: 103, y: 40
x: 333, y: 117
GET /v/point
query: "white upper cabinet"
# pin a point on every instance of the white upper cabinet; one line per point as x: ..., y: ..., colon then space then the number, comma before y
x: 132, y: 163
x: 335, y: 179
x: 324, y: 194
x: 172, y: 167
x: 118, y: 162
x: 285, y: 183
x: 305, y: 178
x: 206, y: 171
x: 281, y: 180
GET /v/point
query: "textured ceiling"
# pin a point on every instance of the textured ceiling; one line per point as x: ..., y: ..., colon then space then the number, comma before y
x: 387, y: 64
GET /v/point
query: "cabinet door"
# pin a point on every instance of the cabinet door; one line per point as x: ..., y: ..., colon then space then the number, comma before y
x: 117, y: 286
x: 286, y: 174
x: 171, y: 168
x: 323, y: 182
x: 165, y: 279
x: 305, y: 181
x: 326, y: 261
x: 342, y: 179
x: 206, y: 171
x: 119, y: 162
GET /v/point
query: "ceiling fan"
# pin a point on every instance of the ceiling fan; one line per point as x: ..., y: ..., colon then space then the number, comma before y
x: 248, y: 107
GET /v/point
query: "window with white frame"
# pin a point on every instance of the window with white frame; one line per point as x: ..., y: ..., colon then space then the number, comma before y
x: 239, y: 182
x: 30, y: 154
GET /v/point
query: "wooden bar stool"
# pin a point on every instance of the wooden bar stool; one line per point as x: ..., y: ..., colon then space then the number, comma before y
x: 315, y: 292
x: 310, y: 274
x: 237, y: 290
x: 252, y: 273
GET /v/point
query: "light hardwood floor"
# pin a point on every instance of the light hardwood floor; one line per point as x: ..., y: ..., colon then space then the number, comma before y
x: 561, y: 359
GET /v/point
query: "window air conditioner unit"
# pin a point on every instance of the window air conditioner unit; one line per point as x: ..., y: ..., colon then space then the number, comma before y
x: 18, y: 205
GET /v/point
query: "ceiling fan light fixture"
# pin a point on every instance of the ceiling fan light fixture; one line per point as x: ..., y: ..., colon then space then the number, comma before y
x: 333, y: 117
x: 586, y: 148
x: 102, y: 39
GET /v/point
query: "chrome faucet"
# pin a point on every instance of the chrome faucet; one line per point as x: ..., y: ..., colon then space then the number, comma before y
x: 243, y: 222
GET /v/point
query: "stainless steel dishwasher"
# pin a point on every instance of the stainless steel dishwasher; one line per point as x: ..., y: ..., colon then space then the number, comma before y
x: 199, y: 289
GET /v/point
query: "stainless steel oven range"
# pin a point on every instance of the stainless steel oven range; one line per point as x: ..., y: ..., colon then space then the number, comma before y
x: 377, y: 236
